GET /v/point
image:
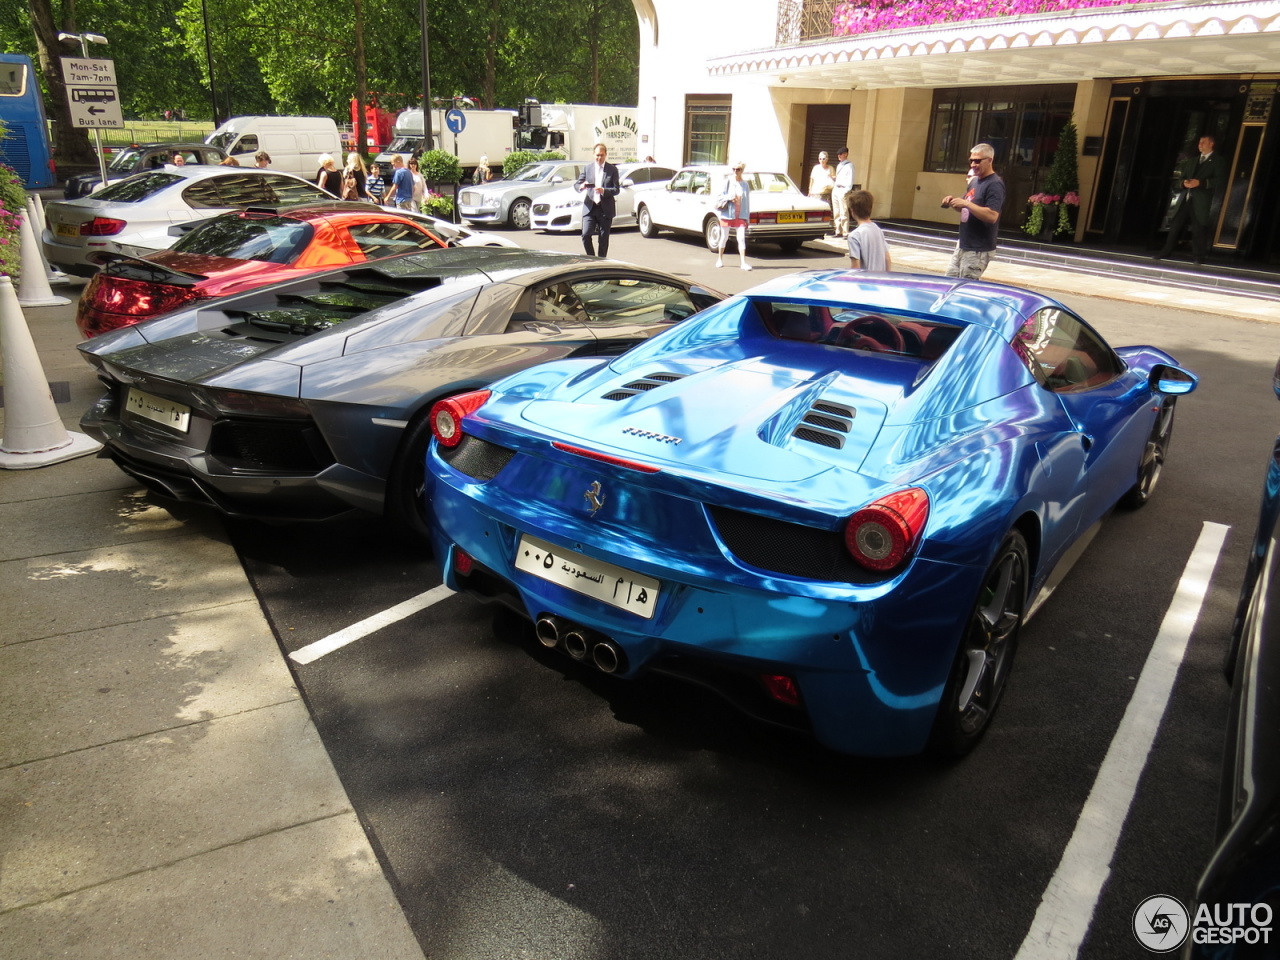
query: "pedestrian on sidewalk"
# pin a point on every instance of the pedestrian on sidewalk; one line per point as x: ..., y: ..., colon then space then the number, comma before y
x: 867, y: 247
x: 979, y: 215
x: 1198, y: 177
x: 840, y: 192
x: 734, y: 208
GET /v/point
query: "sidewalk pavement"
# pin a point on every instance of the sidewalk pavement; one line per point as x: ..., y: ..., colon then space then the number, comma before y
x: 163, y: 791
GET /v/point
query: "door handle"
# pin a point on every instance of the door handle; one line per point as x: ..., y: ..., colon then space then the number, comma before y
x: 1086, y: 441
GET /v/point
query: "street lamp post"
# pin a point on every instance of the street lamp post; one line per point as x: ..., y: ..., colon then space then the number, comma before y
x: 86, y: 39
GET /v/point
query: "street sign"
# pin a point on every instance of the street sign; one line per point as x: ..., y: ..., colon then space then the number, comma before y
x: 91, y: 92
x: 456, y: 121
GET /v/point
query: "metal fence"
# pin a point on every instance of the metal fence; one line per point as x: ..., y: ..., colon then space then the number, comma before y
x: 158, y: 131
x: 800, y: 20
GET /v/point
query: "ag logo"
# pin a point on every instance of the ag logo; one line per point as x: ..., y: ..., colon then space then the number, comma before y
x: 1160, y: 923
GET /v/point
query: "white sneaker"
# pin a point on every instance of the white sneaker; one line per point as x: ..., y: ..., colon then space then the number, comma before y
x: 747, y: 266
x: 719, y: 263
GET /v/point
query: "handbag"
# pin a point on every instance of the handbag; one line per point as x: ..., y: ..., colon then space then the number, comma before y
x: 725, y: 203
x: 349, y: 187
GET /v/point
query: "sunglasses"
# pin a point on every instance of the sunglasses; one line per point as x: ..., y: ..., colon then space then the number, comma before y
x: 974, y: 161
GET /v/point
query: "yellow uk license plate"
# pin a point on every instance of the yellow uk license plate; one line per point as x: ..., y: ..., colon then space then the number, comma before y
x: 791, y: 216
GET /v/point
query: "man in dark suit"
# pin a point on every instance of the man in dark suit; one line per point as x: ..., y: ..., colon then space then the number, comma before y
x: 1198, y: 176
x: 598, y: 185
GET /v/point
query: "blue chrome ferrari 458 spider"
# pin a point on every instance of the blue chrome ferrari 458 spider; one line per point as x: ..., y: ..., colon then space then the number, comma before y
x: 834, y: 498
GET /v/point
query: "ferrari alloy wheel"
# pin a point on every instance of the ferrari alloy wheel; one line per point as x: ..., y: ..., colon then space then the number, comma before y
x: 986, y: 651
x: 519, y: 214
x: 711, y: 231
x: 648, y: 229
x: 1153, y: 454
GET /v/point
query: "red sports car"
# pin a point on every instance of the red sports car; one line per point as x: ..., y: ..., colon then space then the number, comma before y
x: 238, y: 251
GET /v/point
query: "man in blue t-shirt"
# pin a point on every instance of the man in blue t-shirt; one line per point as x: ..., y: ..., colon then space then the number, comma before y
x: 979, y: 215
x: 400, y: 189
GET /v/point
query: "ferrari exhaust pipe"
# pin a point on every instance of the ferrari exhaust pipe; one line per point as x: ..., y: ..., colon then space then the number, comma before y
x: 576, y: 644
x: 548, y: 631
x: 608, y: 656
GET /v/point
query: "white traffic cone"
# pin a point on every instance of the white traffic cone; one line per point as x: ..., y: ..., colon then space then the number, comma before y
x: 33, y: 433
x: 35, y: 213
x: 33, y: 290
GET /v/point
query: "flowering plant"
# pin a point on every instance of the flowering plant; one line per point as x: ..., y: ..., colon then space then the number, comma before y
x: 437, y: 205
x: 871, y: 16
x: 1040, y: 202
x: 13, y: 210
x: 1060, y: 186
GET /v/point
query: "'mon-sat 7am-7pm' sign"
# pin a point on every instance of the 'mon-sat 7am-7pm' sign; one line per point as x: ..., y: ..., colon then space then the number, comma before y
x: 91, y: 92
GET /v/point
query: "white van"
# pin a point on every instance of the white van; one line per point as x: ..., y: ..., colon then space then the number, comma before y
x: 294, y: 143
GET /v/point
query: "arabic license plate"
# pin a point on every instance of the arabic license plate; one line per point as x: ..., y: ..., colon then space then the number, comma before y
x: 176, y: 416
x: 615, y: 586
x: 68, y: 230
x: 791, y: 216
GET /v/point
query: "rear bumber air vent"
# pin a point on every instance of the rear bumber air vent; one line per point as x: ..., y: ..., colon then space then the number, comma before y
x: 826, y: 424
x: 649, y: 382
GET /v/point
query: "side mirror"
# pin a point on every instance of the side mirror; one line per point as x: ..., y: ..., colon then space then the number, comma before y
x: 1172, y: 381
x: 628, y: 182
x: 557, y: 179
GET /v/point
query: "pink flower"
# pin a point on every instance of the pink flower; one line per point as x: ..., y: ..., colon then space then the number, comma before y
x: 1072, y: 198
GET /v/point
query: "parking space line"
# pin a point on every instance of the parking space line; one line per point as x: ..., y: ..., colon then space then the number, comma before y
x: 336, y: 641
x: 1066, y: 909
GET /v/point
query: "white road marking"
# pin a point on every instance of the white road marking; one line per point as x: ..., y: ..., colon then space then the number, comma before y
x: 336, y: 641
x: 1067, y: 907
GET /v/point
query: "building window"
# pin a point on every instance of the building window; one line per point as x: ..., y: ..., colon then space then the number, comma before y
x: 1022, y: 123
x: 706, y: 138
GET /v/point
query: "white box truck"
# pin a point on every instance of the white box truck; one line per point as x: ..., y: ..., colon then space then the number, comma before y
x: 487, y: 133
x: 575, y: 128
x: 295, y: 143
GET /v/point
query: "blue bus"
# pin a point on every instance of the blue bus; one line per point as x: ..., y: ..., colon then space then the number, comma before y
x: 25, y: 146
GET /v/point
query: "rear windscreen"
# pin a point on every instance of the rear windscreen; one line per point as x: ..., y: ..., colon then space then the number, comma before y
x: 138, y: 187
x: 267, y: 239
x: 857, y: 328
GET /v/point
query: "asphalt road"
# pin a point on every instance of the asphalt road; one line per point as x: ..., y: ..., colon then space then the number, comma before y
x: 526, y: 807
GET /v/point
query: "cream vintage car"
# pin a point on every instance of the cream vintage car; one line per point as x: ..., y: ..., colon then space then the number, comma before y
x: 780, y: 212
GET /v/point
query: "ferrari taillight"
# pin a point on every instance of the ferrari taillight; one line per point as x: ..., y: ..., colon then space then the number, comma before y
x: 101, y: 227
x: 447, y: 414
x: 883, y: 534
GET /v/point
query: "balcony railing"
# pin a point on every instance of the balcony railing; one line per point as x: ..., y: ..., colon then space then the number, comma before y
x: 801, y: 20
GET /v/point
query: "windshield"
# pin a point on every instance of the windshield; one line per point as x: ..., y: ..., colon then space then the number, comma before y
x: 125, y: 160
x: 266, y: 239
x: 404, y: 144
x: 222, y: 140
x: 137, y: 188
x: 770, y: 183
x: 534, y: 171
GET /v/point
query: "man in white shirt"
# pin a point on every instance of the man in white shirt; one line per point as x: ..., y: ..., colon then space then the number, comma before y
x: 599, y: 184
x: 844, y: 183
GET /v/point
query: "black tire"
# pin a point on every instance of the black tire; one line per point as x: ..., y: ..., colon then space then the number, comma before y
x: 648, y: 229
x: 405, y: 507
x: 982, y: 663
x: 520, y: 215
x: 711, y: 231
x: 1152, y: 463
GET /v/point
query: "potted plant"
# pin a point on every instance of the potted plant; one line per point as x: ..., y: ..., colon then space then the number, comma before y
x: 1051, y: 212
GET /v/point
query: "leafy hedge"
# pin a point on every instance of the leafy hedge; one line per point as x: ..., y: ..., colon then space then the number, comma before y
x: 519, y: 158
